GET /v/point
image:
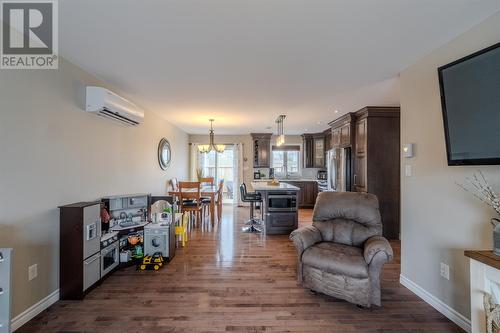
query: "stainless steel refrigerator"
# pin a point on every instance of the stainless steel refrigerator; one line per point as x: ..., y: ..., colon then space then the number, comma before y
x: 339, y: 169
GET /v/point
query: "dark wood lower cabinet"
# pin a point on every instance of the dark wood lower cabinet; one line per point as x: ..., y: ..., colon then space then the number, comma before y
x: 308, y: 192
x: 281, y: 223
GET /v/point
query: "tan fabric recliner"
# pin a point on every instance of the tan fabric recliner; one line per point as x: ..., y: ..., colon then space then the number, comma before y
x: 343, y: 252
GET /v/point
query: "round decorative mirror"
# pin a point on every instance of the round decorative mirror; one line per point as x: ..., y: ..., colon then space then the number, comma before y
x: 164, y: 154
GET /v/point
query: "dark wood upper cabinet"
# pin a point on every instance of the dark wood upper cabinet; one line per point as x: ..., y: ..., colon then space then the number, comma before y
x: 328, y: 139
x: 314, y: 150
x: 261, y: 150
x: 361, y: 136
x: 342, y: 131
x: 336, y: 137
x: 345, y: 135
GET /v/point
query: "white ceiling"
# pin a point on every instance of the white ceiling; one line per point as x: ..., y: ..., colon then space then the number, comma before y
x: 245, y: 62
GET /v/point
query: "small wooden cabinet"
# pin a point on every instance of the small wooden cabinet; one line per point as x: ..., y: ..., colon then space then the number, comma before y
x: 261, y: 150
x: 314, y: 150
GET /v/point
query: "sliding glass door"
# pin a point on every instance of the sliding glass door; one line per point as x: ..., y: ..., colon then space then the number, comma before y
x: 220, y: 166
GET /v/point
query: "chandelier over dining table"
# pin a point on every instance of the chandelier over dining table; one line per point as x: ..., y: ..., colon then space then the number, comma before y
x: 211, y: 146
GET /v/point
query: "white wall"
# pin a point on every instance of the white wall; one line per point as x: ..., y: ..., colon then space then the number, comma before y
x: 52, y: 153
x: 439, y: 220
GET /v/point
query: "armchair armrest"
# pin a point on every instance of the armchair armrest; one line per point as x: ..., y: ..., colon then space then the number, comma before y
x: 375, y: 245
x: 305, y: 237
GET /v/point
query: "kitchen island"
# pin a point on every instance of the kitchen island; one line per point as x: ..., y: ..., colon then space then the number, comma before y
x: 280, y: 206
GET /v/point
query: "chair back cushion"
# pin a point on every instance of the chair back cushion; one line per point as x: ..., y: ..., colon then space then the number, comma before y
x: 348, y: 218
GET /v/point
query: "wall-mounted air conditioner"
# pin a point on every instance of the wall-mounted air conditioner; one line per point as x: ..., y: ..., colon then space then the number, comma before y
x: 109, y: 105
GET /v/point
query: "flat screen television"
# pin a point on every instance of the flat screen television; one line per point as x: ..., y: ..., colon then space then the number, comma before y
x: 470, y: 99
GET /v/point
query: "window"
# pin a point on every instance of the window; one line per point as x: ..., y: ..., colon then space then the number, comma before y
x: 219, y: 166
x: 285, y: 160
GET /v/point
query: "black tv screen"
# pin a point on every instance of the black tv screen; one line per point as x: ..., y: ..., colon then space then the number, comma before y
x: 470, y: 98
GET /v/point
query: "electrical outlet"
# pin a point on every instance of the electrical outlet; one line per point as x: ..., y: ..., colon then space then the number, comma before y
x: 32, y: 272
x: 445, y: 271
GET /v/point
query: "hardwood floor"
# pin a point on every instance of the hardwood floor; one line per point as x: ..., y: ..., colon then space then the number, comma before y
x: 224, y: 280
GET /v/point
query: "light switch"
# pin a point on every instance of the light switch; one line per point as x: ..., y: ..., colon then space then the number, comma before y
x: 408, y: 171
x: 32, y: 272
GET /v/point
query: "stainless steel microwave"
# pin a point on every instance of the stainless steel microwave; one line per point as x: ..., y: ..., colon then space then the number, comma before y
x: 282, y: 202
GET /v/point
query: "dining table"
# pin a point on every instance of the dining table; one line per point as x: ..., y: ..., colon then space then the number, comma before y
x: 205, y: 191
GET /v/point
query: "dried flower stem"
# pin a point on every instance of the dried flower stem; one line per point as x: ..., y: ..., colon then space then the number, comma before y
x: 481, y: 190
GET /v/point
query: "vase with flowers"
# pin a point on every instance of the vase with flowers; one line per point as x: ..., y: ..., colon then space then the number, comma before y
x: 481, y: 189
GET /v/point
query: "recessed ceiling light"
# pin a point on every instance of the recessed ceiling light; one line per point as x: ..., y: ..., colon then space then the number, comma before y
x: 336, y: 111
x: 305, y: 129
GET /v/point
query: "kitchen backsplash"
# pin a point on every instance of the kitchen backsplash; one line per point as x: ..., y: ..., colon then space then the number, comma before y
x: 309, y: 173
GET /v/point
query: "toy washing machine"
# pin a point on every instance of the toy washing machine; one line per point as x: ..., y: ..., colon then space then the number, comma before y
x: 159, y: 237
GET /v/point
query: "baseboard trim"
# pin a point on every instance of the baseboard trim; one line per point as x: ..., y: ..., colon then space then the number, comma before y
x: 436, y: 303
x: 34, y: 310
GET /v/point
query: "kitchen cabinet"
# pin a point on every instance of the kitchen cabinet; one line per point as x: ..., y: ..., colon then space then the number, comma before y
x: 307, y: 150
x: 281, y: 223
x: 79, y: 254
x: 328, y: 140
x: 261, y: 150
x: 342, y: 131
x: 345, y: 135
x: 306, y: 198
x: 314, y: 150
x: 360, y: 163
x: 319, y: 152
x: 377, y: 163
x: 336, y: 137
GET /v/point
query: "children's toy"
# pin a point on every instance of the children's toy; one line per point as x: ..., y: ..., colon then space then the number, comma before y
x: 152, y: 262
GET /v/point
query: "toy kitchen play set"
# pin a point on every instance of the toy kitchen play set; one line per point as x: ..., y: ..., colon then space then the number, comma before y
x: 98, y: 237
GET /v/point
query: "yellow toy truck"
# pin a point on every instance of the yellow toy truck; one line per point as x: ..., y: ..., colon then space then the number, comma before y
x: 152, y: 262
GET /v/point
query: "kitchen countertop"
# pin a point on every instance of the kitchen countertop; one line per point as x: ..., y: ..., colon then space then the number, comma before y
x: 126, y: 196
x: 262, y: 186
x: 287, y: 180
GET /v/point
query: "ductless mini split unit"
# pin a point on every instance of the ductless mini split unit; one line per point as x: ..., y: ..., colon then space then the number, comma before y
x: 107, y: 104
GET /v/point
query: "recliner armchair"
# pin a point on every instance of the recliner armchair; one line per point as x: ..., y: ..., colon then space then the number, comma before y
x: 342, y: 253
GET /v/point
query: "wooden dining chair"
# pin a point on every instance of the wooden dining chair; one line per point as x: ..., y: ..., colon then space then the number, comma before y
x: 207, y: 181
x: 174, y: 183
x: 219, y: 198
x: 190, y: 199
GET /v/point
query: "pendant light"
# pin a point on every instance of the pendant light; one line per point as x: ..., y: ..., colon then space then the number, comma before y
x: 212, y: 146
x: 280, y: 140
